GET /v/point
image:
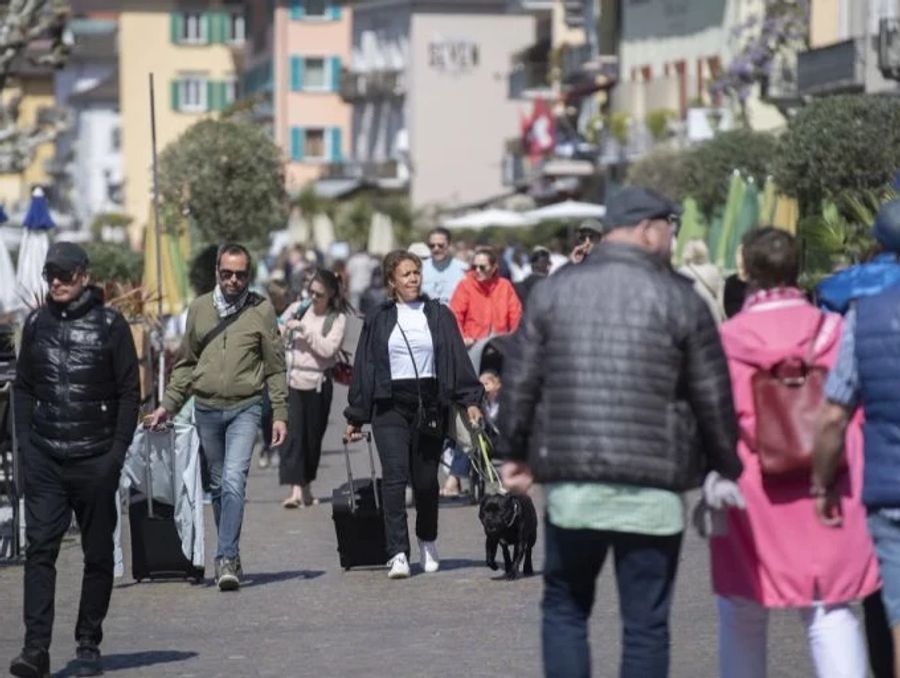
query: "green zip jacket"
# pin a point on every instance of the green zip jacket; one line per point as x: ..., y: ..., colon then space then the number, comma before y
x: 236, y: 365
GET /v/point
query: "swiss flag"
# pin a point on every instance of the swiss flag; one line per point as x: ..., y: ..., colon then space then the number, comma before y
x: 539, y: 130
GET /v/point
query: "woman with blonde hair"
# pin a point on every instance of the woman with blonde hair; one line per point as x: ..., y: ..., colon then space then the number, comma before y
x: 708, y: 281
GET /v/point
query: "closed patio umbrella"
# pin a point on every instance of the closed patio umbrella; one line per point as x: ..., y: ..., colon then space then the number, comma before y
x: 30, y: 285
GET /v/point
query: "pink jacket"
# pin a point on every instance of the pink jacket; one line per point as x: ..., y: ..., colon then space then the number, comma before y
x: 777, y: 553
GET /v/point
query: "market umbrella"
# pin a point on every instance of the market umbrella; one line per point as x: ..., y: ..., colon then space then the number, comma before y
x: 729, y: 218
x: 323, y: 232
x: 490, y: 217
x: 8, y: 299
x: 767, y: 201
x: 381, y: 235
x: 693, y: 226
x: 568, y: 210
x: 30, y: 286
x: 746, y: 218
x: 174, y: 252
x: 787, y: 214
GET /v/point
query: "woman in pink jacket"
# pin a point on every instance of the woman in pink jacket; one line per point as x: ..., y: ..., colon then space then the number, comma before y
x: 776, y: 553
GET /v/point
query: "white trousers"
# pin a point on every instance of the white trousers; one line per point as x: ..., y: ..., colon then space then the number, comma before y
x: 835, y: 640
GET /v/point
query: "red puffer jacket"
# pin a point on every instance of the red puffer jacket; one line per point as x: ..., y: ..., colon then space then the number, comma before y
x: 485, y: 308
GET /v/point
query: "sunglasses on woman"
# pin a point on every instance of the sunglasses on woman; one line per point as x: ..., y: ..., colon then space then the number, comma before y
x: 483, y: 268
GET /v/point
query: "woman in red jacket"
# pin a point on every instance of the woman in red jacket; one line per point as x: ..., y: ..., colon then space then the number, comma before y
x: 484, y: 303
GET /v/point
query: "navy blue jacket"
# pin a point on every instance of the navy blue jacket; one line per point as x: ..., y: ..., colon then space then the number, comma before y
x: 878, y: 357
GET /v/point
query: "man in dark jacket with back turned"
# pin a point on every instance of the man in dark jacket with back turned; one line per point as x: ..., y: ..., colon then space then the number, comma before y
x: 617, y: 396
x: 77, y: 394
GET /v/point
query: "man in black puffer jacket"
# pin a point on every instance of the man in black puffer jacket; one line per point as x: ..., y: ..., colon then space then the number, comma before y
x: 77, y: 396
x: 617, y: 396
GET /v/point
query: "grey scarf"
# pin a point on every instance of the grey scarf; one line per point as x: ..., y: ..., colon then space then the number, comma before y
x: 226, y: 308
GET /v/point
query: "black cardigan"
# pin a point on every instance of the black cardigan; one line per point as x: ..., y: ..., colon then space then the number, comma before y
x: 456, y: 378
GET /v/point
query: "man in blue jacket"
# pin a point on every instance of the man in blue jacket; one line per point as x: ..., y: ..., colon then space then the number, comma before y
x: 867, y: 373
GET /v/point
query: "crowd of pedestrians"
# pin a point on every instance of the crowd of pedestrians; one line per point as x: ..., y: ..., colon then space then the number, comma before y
x: 625, y: 385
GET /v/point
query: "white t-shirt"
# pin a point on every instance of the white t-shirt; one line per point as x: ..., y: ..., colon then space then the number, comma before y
x: 411, y: 317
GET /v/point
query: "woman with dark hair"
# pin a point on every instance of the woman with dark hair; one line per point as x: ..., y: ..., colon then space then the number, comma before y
x: 314, y: 331
x: 410, y: 367
x: 484, y: 303
x: 775, y: 553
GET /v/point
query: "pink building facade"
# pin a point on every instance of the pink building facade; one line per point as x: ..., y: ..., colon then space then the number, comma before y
x: 293, y: 65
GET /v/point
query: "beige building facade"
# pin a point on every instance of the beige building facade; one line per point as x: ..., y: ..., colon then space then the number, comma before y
x: 190, y: 49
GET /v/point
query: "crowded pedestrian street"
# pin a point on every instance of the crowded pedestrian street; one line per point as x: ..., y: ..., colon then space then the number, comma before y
x: 300, y: 614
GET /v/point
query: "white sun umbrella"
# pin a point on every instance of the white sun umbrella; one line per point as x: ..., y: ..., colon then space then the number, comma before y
x: 490, y: 217
x: 30, y: 286
x: 8, y: 299
x: 298, y: 227
x: 323, y: 232
x: 568, y: 210
x: 381, y: 235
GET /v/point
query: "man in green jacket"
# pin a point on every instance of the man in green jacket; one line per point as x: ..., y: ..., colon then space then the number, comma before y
x: 231, y: 351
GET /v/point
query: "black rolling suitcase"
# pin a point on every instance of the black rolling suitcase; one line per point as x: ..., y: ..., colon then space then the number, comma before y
x: 358, y: 516
x: 155, y: 544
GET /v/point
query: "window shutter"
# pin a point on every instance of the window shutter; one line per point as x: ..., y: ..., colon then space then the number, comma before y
x: 336, y: 153
x: 296, y: 74
x: 217, y: 27
x: 206, y: 27
x: 297, y: 138
x: 175, y: 90
x: 335, y: 74
x: 335, y: 11
x: 223, y: 94
x: 211, y: 96
x: 176, y: 24
x: 298, y: 11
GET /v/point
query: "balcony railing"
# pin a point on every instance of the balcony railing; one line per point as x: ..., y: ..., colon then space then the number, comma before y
x: 528, y: 77
x: 355, y: 169
x: 356, y: 86
x: 835, y: 68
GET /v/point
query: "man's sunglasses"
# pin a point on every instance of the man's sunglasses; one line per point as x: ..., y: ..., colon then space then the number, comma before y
x: 437, y: 245
x: 225, y: 275
x: 51, y: 273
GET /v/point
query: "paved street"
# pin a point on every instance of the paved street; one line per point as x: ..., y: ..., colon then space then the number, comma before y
x: 300, y: 614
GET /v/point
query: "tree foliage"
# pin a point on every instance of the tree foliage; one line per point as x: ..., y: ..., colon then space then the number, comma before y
x: 114, y: 263
x: 228, y: 177
x: 664, y: 171
x: 839, y: 148
x: 711, y: 164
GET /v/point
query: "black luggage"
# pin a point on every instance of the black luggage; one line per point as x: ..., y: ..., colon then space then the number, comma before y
x: 358, y: 516
x: 155, y: 544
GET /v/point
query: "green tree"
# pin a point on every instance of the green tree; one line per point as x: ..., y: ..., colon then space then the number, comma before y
x: 114, y: 263
x: 709, y: 166
x: 228, y: 176
x: 662, y: 170
x: 838, y: 149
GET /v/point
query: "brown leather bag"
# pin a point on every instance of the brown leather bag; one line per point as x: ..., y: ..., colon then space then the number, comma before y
x: 787, y: 399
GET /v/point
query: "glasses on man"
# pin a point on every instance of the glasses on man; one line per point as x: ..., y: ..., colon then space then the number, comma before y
x: 51, y: 273
x: 225, y: 275
x: 437, y: 245
x: 675, y: 222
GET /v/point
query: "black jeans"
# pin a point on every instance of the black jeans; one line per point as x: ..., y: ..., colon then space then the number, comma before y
x: 307, y: 420
x: 406, y: 457
x: 53, y: 489
x: 645, y: 575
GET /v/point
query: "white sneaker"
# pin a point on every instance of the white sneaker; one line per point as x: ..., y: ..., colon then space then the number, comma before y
x: 428, y: 556
x: 399, y: 567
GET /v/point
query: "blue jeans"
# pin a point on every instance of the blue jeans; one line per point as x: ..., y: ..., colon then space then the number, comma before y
x: 228, y: 437
x: 645, y: 575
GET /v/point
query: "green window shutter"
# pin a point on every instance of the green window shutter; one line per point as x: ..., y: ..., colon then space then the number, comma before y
x: 215, y: 28
x: 176, y: 20
x: 206, y: 26
x: 175, y: 91
x: 223, y: 95
x: 297, y: 138
x: 298, y: 11
x: 335, y: 65
x: 210, y: 95
x: 296, y: 74
x: 335, y: 11
x: 335, y: 152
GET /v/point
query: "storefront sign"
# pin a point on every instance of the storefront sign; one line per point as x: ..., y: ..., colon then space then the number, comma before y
x: 452, y: 56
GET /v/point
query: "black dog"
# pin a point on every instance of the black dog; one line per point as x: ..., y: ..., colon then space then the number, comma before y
x: 509, y: 520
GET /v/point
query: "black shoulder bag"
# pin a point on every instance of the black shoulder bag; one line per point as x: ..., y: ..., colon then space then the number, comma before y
x: 429, y: 417
x: 252, y: 300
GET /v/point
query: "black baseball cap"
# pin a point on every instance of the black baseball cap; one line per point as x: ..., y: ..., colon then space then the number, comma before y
x: 67, y: 256
x: 630, y: 206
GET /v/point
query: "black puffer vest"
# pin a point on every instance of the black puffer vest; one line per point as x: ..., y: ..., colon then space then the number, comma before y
x: 75, y: 398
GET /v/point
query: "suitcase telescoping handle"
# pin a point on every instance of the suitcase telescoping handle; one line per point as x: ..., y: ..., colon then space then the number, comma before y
x: 350, y: 471
x: 148, y: 472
